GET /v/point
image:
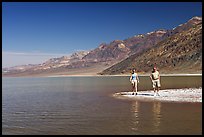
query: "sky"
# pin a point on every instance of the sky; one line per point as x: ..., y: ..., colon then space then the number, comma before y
x: 33, y: 32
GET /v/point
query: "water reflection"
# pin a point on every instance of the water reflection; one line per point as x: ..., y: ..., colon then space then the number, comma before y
x: 65, y: 106
x: 151, y: 113
x: 156, y: 109
x: 135, y: 109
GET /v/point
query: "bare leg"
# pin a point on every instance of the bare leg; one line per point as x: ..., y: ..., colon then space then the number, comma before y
x: 158, y: 91
x: 133, y: 88
x: 154, y: 92
x: 136, y: 89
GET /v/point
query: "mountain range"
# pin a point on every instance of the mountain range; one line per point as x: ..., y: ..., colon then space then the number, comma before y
x: 178, y: 50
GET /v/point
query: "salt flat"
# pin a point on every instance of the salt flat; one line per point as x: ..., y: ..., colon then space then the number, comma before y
x: 168, y: 95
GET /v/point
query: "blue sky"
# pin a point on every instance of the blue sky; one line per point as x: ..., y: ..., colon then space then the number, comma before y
x: 33, y: 32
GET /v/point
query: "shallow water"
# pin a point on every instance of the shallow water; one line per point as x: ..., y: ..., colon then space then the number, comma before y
x: 85, y: 105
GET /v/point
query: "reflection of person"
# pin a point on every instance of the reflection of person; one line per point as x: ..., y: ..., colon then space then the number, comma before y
x: 157, y: 116
x: 134, y: 79
x: 155, y: 78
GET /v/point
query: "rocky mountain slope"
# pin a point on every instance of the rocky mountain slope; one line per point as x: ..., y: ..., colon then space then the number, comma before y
x: 128, y: 51
x: 179, y: 53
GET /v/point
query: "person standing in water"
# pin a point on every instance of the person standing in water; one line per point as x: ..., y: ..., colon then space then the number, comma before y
x: 134, y: 79
x: 155, y: 78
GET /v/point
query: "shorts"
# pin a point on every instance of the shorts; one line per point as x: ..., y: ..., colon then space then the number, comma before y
x: 134, y: 82
x: 156, y: 83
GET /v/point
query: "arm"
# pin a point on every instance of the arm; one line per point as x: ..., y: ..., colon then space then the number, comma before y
x: 130, y: 78
x: 150, y: 77
x: 138, y: 79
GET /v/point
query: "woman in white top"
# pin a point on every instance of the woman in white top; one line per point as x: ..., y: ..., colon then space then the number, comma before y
x: 134, y: 79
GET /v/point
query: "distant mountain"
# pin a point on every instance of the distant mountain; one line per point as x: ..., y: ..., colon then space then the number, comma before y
x: 182, y: 27
x: 51, y: 64
x: 129, y: 51
x: 179, y: 53
x: 120, y: 49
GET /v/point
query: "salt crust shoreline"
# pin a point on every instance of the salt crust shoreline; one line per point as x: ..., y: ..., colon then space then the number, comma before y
x: 120, y: 75
x: 166, y: 95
